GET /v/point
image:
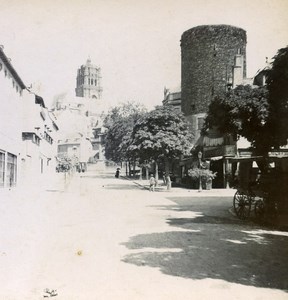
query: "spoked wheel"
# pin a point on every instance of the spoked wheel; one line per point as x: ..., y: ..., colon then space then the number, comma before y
x: 242, y: 205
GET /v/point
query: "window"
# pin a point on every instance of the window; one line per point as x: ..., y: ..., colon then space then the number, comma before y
x: 31, y: 137
x: 11, y: 169
x: 2, y: 168
x: 41, y: 166
x: 200, y: 122
x: 62, y: 148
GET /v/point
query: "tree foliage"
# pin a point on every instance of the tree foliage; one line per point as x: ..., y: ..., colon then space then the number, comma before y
x: 243, y: 111
x: 258, y: 114
x: 119, y: 122
x: 160, y: 134
x: 277, y: 84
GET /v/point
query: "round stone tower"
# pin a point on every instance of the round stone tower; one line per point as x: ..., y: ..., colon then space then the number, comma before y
x: 213, y: 59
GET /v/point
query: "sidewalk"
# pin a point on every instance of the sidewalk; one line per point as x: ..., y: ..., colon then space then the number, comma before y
x: 162, y: 188
x: 282, y: 223
x: 58, y: 182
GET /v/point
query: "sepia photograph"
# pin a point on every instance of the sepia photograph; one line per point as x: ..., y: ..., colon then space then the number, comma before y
x: 144, y: 149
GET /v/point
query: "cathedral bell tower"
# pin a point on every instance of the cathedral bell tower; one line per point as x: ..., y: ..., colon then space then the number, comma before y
x: 88, y: 81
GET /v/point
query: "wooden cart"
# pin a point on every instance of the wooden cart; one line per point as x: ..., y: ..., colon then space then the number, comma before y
x: 259, y: 182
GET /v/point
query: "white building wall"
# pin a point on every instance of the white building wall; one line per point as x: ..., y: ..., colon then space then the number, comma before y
x: 20, y: 114
x: 38, y: 159
x: 10, y: 119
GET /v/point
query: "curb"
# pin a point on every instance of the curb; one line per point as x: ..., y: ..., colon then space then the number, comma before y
x: 208, y: 193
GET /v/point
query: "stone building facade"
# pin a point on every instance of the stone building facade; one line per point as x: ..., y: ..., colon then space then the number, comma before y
x: 213, y: 59
x: 80, y: 118
x: 27, y: 132
x: 173, y: 97
x: 39, y: 136
x: 11, y: 99
x: 88, y: 81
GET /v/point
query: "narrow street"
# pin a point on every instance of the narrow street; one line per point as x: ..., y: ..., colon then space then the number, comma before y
x: 105, y: 238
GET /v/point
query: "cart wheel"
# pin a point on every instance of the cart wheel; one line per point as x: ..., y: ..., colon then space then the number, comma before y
x: 242, y: 205
x: 259, y: 209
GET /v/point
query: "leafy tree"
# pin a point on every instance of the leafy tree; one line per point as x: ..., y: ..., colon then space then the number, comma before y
x: 119, y: 122
x: 277, y: 84
x: 258, y: 114
x: 161, y: 134
x: 243, y: 111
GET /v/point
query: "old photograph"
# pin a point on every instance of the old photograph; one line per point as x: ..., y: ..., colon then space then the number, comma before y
x: 144, y: 149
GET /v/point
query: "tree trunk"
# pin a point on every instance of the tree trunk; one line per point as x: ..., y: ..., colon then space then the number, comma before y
x: 156, y: 173
x: 147, y: 173
x: 129, y: 166
x: 167, y: 173
x: 141, y: 170
x: 200, y: 184
x: 134, y: 169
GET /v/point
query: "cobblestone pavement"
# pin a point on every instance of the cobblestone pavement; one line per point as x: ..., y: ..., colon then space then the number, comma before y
x: 98, y: 237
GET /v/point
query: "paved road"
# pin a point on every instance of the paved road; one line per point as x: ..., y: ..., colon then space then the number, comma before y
x: 107, y: 238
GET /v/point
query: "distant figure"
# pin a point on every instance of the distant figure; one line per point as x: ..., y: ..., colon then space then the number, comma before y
x: 164, y: 178
x: 199, y: 163
x: 152, y: 183
x: 117, y: 173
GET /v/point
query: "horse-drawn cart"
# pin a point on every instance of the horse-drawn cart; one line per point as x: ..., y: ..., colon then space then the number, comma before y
x: 261, y: 184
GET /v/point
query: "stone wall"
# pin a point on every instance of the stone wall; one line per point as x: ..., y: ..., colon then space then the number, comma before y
x: 208, y: 56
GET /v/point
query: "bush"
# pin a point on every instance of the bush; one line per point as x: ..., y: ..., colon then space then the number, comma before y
x: 205, y: 174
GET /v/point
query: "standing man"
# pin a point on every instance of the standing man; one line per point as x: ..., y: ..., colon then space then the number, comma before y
x: 164, y: 178
x: 152, y: 183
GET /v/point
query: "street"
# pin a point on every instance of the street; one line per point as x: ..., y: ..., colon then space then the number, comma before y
x: 106, y: 238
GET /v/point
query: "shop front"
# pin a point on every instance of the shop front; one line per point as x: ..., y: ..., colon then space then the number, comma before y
x: 219, y: 162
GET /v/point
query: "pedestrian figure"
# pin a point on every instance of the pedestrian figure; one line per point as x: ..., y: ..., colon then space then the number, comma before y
x: 117, y: 173
x: 164, y: 178
x: 152, y: 183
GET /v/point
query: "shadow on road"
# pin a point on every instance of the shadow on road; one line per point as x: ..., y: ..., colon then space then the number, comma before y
x: 121, y: 187
x: 213, y: 244
x: 96, y: 176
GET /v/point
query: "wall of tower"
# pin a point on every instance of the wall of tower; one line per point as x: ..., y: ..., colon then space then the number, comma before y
x: 208, y: 58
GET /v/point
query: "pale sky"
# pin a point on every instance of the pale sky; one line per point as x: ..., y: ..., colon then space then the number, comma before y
x: 136, y: 43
